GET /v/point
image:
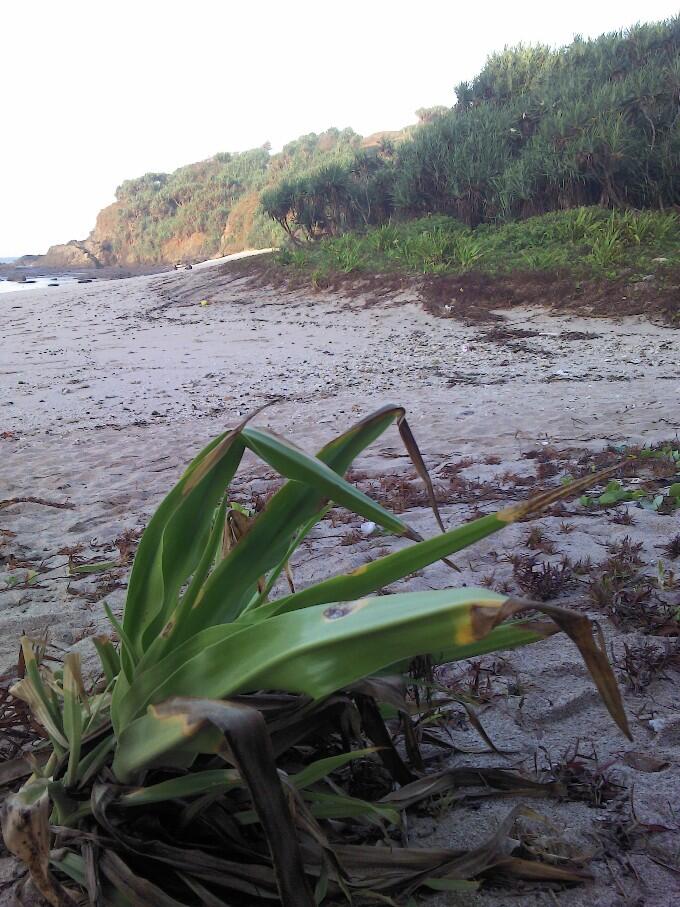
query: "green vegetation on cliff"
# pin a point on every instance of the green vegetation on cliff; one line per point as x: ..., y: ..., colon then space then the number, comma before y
x: 539, y: 130
x: 594, y: 123
x: 159, y: 207
x: 212, y: 207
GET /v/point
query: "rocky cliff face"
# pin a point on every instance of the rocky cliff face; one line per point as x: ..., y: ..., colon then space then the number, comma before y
x: 187, y: 248
x: 99, y: 242
x: 72, y: 254
x: 239, y: 223
x: 94, y: 252
x: 199, y: 211
x: 99, y: 249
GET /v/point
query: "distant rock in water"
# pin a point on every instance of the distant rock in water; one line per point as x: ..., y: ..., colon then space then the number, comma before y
x: 26, y: 260
x: 74, y: 254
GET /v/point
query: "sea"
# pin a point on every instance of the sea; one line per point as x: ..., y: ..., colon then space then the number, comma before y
x: 33, y: 281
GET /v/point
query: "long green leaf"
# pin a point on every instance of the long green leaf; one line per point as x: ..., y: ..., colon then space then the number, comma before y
x: 145, y: 589
x: 379, y: 573
x: 95, y: 759
x: 318, y: 769
x: 323, y: 649
x: 299, y: 466
x: 220, y: 780
x: 126, y: 698
x: 108, y: 656
x: 174, y: 540
x: 188, y: 600
x: 73, y: 715
x: 335, y: 806
x: 382, y: 571
x: 191, y: 785
x: 315, y: 651
x: 224, y: 660
x: 273, y: 537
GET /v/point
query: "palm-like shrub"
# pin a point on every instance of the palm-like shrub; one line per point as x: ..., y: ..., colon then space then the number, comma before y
x: 538, y: 130
x: 347, y: 192
x: 190, y: 768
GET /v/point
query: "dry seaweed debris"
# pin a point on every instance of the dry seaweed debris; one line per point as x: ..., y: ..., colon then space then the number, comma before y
x: 543, y: 581
x: 620, y: 587
x: 672, y: 548
x: 641, y: 665
x: 582, y: 776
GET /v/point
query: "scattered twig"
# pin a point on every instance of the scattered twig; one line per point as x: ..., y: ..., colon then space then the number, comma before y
x: 65, y: 505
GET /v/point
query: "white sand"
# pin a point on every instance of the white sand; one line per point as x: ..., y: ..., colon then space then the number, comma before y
x: 109, y: 388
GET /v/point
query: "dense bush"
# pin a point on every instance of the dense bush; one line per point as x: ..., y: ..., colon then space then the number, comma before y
x: 334, y: 197
x: 196, y: 200
x: 595, y: 123
x: 538, y: 130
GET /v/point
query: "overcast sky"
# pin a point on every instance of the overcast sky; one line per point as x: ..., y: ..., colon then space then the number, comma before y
x: 97, y: 92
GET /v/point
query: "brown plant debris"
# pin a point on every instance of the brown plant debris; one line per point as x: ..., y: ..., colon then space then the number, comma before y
x: 672, y: 548
x: 641, y: 665
x: 60, y: 505
x: 540, y: 581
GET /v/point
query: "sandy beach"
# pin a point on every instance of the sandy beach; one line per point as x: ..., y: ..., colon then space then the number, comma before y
x: 109, y: 388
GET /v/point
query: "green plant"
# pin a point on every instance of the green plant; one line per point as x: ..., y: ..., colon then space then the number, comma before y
x: 585, y: 242
x: 191, y: 744
x: 294, y: 258
x: 615, y: 493
x: 346, y: 253
x: 468, y: 251
x: 606, y: 245
x: 667, y: 452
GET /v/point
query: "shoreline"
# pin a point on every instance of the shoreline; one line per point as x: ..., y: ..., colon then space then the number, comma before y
x: 15, y: 272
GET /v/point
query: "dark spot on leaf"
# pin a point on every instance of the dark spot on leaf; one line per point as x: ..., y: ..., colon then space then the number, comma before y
x: 335, y: 612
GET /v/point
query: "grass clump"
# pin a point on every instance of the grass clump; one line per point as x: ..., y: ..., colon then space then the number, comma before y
x: 216, y: 751
x: 584, y: 242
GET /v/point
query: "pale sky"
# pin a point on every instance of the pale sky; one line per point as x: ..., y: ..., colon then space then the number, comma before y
x: 96, y: 92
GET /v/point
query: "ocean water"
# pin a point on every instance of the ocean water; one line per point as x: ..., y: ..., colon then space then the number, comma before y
x: 37, y: 282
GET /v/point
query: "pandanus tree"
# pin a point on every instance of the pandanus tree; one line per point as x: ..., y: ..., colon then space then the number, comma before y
x: 539, y: 130
x: 200, y: 767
